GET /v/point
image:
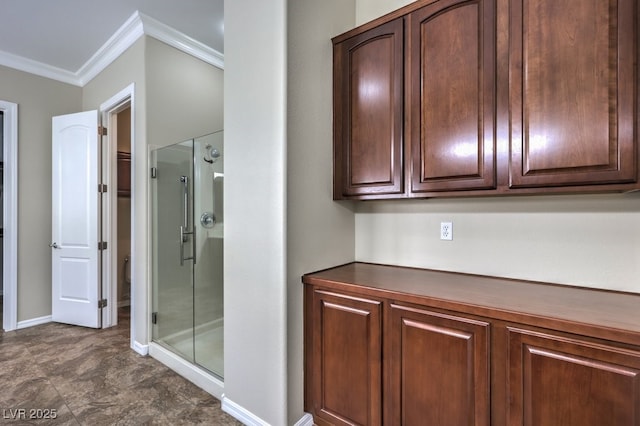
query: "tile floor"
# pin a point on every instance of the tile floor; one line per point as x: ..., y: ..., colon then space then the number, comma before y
x: 92, y: 377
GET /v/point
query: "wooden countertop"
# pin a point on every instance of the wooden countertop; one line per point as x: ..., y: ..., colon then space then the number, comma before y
x: 616, y: 315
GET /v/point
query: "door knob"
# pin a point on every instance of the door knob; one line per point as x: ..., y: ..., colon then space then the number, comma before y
x: 54, y: 245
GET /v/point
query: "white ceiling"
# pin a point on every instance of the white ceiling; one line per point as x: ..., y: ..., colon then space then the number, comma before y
x: 66, y: 34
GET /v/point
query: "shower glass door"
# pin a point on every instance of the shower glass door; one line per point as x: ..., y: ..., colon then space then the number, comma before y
x: 188, y: 236
x: 173, y: 248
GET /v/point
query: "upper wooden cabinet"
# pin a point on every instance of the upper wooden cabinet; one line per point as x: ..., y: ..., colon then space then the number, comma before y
x: 451, y: 88
x: 368, y: 115
x: 488, y: 97
x: 573, y: 92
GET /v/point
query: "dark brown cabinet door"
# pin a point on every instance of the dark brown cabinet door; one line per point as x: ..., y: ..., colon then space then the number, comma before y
x: 572, y: 92
x: 124, y: 174
x: 368, y: 113
x: 452, y: 96
x: 439, y: 369
x: 557, y: 380
x: 344, y: 380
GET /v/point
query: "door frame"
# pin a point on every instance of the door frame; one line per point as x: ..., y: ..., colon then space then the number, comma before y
x: 10, y: 215
x: 108, y: 109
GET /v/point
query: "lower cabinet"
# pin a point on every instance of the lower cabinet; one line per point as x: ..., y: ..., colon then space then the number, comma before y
x: 458, y: 352
x: 438, y: 369
x: 555, y: 380
x: 344, y: 356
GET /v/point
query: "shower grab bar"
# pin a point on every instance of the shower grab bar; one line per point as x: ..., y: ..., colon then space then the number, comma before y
x: 184, y: 232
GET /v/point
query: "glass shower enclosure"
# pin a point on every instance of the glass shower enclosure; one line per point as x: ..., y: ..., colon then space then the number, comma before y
x: 188, y: 235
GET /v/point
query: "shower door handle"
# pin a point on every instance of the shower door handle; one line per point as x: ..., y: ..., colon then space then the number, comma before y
x: 185, y: 202
x: 184, y: 235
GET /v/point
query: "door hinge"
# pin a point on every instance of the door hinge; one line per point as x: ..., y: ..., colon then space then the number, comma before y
x: 102, y: 131
x: 102, y: 303
x: 154, y: 317
x: 102, y: 188
x: 154, y: 173
x: 102, y: 245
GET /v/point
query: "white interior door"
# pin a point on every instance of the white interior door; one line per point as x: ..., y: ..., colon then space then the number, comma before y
x: 75, y: 210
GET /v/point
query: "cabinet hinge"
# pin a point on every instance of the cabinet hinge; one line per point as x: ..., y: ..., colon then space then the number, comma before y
x: 154, y: 317
x: 102, y: 245
x: 102, y: 188
x: 102, y: 303
x: 102, y: 131
x: 154, y: 173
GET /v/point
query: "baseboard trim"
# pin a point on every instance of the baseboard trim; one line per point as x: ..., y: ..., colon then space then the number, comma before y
x: 189, y: 371
x: 140, y: 348
x: 33, y: 322
x: 241, y: 414
x: 306, y: 420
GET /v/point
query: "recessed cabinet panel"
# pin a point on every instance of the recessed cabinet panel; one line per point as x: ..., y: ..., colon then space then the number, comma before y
x: 452, y: 96
x: 346, y: 381
x: 573, y: 92
x: 368, y: 111
x: 560, y: 381
x: 449, y: 353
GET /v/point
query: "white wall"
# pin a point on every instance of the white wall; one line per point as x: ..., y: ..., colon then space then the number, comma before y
x: 581, y: 240
x: 320, y: 232
x: 254, y: 199
x: 176, y: 97
x: 130, y: 68
x: 184, y: 95
x: 367, y: 10
x: 38, y: 100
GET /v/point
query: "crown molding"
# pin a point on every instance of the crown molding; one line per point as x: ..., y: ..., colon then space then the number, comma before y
x: 120, y: 41
x: 180, y: 41
x: 38, y: 68
x: 135, y: 27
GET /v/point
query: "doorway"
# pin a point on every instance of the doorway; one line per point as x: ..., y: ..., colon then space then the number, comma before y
x: 121, y: 279
x: 117, y: 212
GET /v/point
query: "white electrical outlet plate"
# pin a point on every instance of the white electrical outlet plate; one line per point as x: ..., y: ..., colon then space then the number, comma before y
x: 446, y: 231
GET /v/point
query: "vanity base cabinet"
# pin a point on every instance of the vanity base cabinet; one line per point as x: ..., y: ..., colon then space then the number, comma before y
x: 557, y: 380
x: 404, y: 346
x: 344, y: 349
x: 438, y: 368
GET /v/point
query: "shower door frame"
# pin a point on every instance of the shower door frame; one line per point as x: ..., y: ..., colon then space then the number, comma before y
x: 187, y: 237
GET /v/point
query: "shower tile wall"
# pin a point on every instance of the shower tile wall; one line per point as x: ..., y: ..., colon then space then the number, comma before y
x: 209, y: 273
